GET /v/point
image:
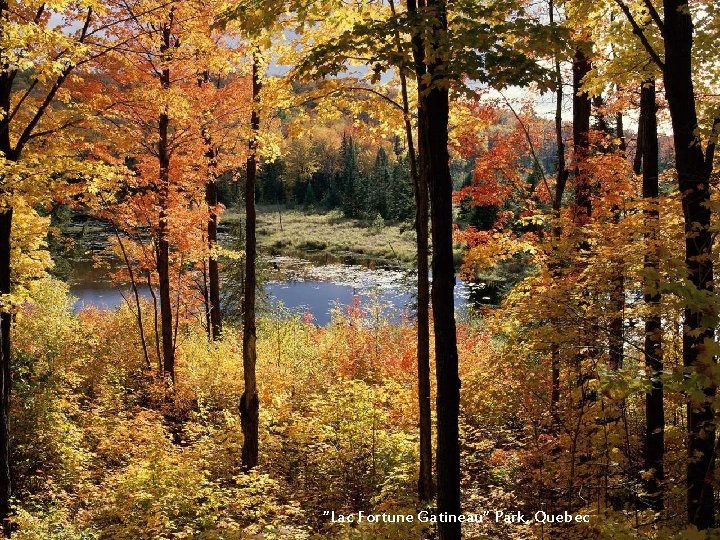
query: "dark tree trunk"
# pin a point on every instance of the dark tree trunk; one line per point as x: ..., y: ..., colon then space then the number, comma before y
x: 616, y: 339
x: 5, y: 379
x: 560, y: 183
x: 426, y: 488
x: 212, y: 283
x: 433, y: 131
x: 213, y: 272
x: 435, y: 137
x: 163, y: 243
x: 654, y: 450
x: 249, y: 402
x: 163, y: 257
x: 581, y: 138
x: 693, y: 170
x: 6, y: 82
x: 425, y: 481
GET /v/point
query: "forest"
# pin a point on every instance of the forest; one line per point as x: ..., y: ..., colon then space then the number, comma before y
x: 531, y: 184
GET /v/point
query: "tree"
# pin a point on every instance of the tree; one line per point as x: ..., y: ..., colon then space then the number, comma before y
x: 47, y: 51
x: 168, y: 127
x: 654, y: 450
x: 694, y: 161
x: 249, y: 401
x: 433, y: 116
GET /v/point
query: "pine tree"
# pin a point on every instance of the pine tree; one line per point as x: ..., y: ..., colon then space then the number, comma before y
x: 349, y: 178
x: 310, y: 200
x: 400, y: 204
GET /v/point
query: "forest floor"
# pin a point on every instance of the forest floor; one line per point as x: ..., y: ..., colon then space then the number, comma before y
x: 330, y: 237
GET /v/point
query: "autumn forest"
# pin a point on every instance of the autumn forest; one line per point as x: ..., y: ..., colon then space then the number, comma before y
x: 531, y: 187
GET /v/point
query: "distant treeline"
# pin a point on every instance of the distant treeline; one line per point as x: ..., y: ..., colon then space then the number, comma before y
x: 339, y: 179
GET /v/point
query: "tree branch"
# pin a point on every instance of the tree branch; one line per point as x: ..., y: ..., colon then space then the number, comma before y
x: 27, y: 132
x: 655, y: 15
x: 528, y: 138
x: 638, y: 31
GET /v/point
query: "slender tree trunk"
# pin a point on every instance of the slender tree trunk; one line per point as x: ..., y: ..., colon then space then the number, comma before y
x: 420, y: 190
x: 581, y: 214
x: 136, y: 295
x: 5, y: 378
x: 616, y: 339
x: 206, y: 301
x: 6, y: 214
x: 433, y: 131
x: 693, y: 170
x: 212, y: 291
x: 163, y: 245
x: 213, y: 271
x: 426, y: 487
x: 654, y: 450
x: 155, y: 322
x: 560, y: 183
x: 581, y: 138
x: 249, y: 402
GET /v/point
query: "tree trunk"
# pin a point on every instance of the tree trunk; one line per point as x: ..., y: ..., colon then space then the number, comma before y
x: 213, y: 272
x: 212, y: 288
x: 163, y: 258
x: 560, y: 183
x: 616, y: 339
x: 5, y: 285
x: 654, y: 450
x: 581, y: 138
x: 249, y: 402
x: 433, y: 121
x: 163, y: 244
x: 6, y: 82
x: 426, y: 488
x: 425, y: 481
x: 5, y: 378
x: 443, y: 303
x: 693, y: 170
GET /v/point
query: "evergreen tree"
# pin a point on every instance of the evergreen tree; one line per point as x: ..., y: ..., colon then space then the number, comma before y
x: 378, y: 185
x: 349, y: 178
x: 399, y: 195
x: 310, y: 200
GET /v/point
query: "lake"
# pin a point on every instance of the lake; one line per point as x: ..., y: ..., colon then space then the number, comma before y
x: 294, y: 286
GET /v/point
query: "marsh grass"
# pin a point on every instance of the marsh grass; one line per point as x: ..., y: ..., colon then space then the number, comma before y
x: 331, y: 234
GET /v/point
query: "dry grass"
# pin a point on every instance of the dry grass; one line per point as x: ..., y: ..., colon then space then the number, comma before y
x: 330, y: 235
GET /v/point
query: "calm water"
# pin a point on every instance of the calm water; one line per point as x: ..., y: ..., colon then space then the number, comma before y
x: 293, y: 285
x: 302, y: 289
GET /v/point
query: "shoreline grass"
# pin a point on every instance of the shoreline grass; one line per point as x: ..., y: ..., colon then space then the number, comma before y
x: 329, y: 235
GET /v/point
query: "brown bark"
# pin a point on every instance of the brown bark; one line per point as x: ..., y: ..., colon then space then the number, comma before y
x: 212, y: 289
x: 434, y: 166
x: 213, y: 271
x: 426, y: 488
x: 654, y: 449
x: 249, y: 401
x: 581, y: 138
x: 162, y: 245
x: 560, y: 183
x: 693, y: 170
x: 6, y: 82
